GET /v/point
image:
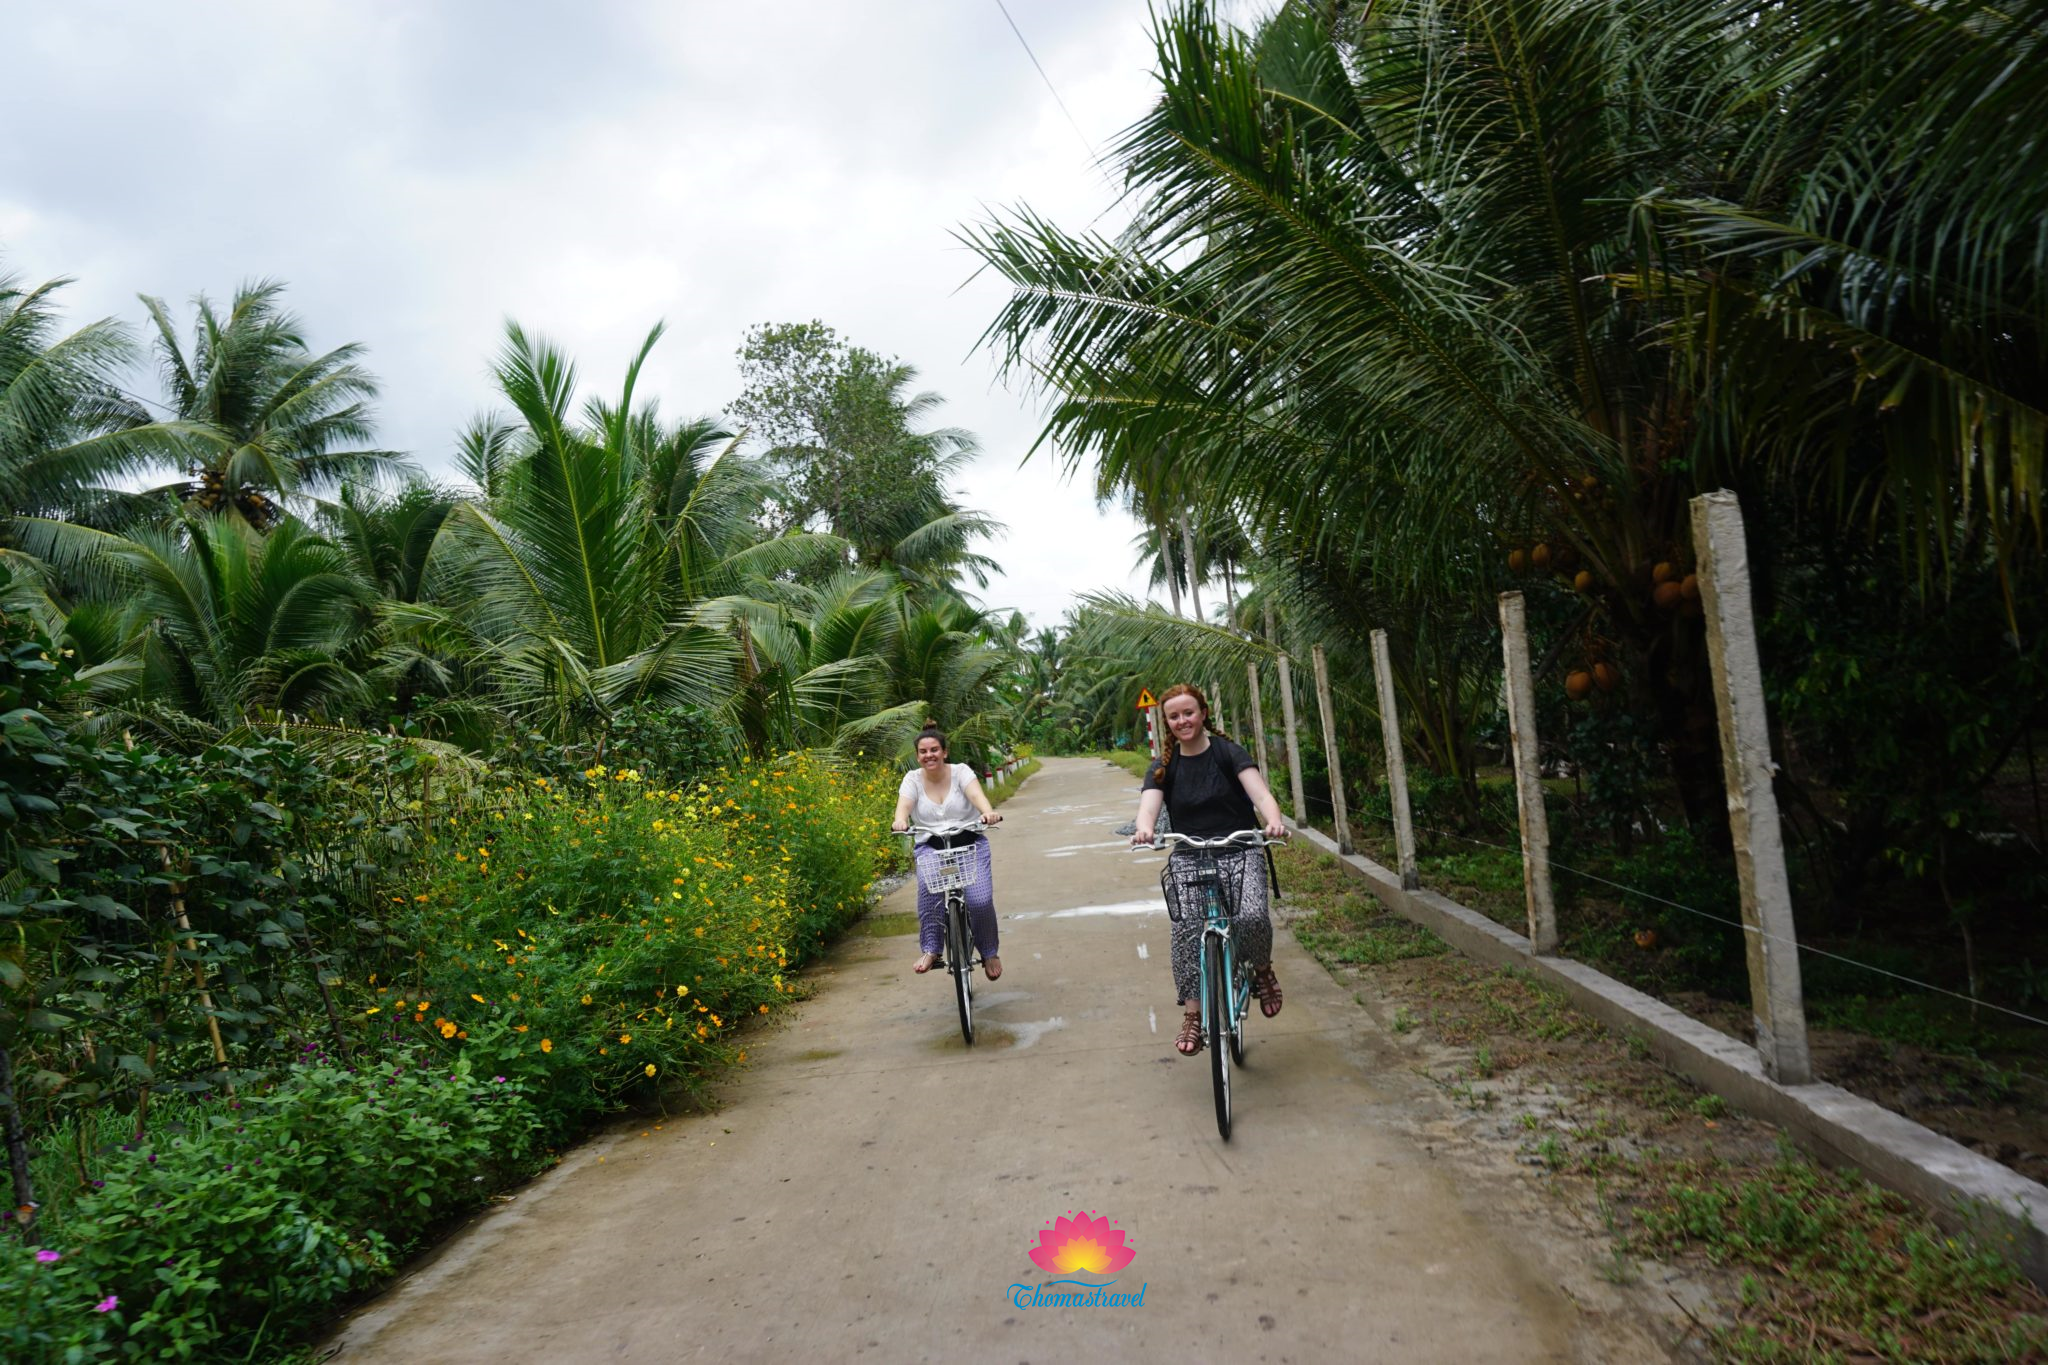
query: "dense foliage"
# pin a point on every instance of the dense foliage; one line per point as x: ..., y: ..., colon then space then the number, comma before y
x: 1424, y: 301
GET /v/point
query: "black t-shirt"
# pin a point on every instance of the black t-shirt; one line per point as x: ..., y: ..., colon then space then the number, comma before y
x: 1203, y: 794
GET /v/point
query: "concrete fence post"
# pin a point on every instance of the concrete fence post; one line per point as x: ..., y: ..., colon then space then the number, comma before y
x: 1321, y: 664
x: 1288, y: 739
x: 1292, y: 741
x: 1251, y: 683
x: 1397, y: 763
x: 1535, y: 820
x: 1776, y: 995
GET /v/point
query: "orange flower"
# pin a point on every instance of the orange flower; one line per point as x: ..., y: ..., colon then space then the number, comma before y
x: 519, y: 1028
x: 547, y: 1045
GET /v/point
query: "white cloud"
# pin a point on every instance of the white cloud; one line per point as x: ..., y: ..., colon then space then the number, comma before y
x: 418, y: 173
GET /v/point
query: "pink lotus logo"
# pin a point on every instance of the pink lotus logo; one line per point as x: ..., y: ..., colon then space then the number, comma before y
x: 1085, y: 1244
x: 1078, y: 1244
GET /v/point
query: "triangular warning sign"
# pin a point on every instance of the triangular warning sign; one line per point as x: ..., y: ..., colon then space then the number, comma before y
x: 1145, y: 699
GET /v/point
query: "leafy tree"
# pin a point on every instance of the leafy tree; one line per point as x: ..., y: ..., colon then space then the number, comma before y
x: 843, y: 433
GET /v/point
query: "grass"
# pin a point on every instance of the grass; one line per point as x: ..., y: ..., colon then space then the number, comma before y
x: 1347, y: 926
x: 1836, y: 1269
x: 1130, y: 761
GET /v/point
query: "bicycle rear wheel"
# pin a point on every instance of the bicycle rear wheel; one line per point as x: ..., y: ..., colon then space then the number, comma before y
x: 1216, y: 994
x: 959, y: 949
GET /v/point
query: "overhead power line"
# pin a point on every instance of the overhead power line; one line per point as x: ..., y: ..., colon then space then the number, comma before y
x: 1025, y: 43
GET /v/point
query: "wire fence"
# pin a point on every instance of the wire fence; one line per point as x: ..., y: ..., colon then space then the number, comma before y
x: 1974, y: 1002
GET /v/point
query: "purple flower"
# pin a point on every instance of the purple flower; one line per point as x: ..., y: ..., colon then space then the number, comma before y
x: 497, y: 1080
x: 152, y: 1158
x: 48, y: 1257
x: 107, y: 1305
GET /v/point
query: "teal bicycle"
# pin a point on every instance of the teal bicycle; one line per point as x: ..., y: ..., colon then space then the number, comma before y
x: 1225, y: 981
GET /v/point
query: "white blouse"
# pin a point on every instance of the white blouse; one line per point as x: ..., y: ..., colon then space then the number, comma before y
x: 956, y: 809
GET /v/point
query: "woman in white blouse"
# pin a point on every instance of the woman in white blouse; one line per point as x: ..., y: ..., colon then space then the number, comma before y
x: 936, y: 792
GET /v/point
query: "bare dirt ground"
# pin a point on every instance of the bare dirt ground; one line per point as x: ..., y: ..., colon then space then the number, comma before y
x: 870, y: 1188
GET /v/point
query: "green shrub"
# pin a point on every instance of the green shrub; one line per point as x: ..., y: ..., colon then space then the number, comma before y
x: 248, y: 1224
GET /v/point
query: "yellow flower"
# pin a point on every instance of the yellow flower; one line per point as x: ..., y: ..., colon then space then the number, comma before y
x: 625, y: 1037
x: 650, y: 1068
x: 519, y: 1028
x: 447, y: 1029
x: 478, y: 998
x: 373, y: 1010
x: 424, y: 1005
x: 586, y: 999
x: 547, y: 1045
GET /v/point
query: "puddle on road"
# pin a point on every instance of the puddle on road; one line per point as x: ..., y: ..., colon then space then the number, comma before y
x: 819, y: 1054
x: 1151, y: 907
x: 887, y: 926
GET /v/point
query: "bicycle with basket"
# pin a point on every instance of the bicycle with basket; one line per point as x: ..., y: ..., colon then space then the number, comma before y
x: 946, y: 872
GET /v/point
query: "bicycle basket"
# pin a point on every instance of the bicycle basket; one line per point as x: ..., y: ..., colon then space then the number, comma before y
x: 946, y: 869
x: 1186, y: 876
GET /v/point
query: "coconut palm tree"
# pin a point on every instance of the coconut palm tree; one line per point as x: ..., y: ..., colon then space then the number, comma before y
x: 223, y: 624
x: 1405, y: 291
x: 264, y: 419
x: 69, y: 436
x: 601, y: 570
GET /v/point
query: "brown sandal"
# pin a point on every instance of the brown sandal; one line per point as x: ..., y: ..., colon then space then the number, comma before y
x: 1190, y: 1040
x: 1266, y: 986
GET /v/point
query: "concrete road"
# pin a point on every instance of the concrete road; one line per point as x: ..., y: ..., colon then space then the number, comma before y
x: 871, y: 1188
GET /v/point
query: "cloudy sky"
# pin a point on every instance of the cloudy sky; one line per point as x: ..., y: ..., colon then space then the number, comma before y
x: 418, y: 172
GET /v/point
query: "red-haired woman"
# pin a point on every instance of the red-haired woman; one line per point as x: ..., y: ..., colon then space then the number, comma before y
x: 1211, y: 787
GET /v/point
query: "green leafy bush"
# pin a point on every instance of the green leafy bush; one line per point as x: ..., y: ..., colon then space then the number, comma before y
x: 248, y: 1224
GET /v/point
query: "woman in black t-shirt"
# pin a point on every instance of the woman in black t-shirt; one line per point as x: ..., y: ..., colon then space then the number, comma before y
x: 1211, y: 787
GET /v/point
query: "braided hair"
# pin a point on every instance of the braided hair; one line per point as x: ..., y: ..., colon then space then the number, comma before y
x: 1170, y: 749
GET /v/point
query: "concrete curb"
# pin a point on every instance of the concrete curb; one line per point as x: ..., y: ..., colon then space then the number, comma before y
x: 1963, y: 1190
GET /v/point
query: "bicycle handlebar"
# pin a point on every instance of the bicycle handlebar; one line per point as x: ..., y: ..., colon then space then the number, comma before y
x: 944, y: 833
x: 1243, y: 838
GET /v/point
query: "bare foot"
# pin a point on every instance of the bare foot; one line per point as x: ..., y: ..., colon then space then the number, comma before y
x: 993, y: 966
x: 924, y: 962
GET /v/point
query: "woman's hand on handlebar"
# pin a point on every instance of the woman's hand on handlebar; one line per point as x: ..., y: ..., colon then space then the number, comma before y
x: 900, y: 827
x: 1142, y: 837
x: 1276, y: 828
x: 992, y: 817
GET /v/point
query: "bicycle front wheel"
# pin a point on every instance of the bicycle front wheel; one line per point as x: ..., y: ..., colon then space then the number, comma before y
x: 1240, y: 997
x: 960, y: 951
x: 1216, y: 996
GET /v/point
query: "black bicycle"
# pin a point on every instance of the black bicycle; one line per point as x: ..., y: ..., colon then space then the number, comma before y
x: 946, y: 873
x: 1225, y: 981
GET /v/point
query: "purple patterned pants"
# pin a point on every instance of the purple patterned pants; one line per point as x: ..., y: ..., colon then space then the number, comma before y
x: 980, y: 893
